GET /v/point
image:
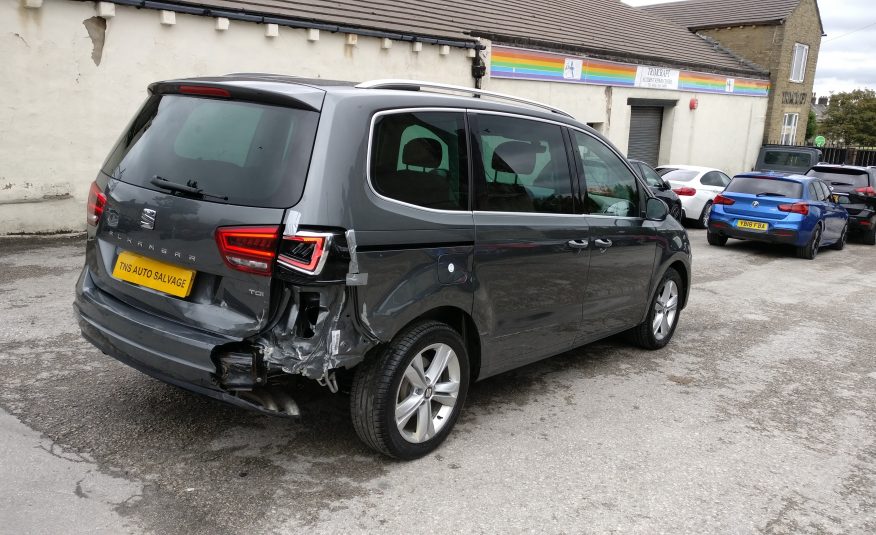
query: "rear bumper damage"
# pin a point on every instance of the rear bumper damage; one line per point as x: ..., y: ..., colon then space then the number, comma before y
x: 315, y: 332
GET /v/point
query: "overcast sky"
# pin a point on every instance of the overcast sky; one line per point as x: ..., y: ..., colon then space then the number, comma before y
x: 847, y: 60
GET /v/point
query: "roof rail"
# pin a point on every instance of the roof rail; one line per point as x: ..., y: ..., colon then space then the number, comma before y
x: 416, y: 85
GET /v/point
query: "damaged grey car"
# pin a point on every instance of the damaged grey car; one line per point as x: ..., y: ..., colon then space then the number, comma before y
x: 393, y: 240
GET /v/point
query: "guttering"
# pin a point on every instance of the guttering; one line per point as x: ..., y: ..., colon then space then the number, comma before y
x: 293, y: 23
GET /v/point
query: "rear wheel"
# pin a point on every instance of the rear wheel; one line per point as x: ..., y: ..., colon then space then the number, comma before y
x: 405, y: 402
x: 704, y: 217
x: 844, y: 237
x: 810, y: 250
x: 716, y: 239
x: 870, y: 236
x: 659, y: 326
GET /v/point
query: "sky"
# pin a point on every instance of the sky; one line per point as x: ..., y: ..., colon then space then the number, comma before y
x: 848, y: 52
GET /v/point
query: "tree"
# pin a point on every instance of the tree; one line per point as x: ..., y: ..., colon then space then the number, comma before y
x: 851, y: 118
x: 811, y: 125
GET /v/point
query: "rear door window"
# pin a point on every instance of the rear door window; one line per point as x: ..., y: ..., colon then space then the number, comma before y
x: 521, y: 166
x: 420, y: 158
x: 252, y: 154
x: 766, y: 187
x: 612, y: 189
x: 652, y: 178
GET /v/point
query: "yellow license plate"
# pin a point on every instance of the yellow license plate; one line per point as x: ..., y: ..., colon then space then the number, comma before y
x: 153, y: 274
x: 753, y: 225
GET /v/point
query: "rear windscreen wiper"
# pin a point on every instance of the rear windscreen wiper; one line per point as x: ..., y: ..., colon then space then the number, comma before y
x: 769, y: 194
x: 841, y: 184
x: 164, y: 183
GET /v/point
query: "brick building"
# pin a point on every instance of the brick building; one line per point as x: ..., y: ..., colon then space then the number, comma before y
x: 782, y: 36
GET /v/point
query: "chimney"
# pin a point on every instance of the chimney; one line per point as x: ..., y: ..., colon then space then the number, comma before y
x: 823, y: 101
x: 813, y: 98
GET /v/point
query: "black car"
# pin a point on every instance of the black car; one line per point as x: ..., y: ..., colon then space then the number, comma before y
x: 659, y: 187
x: 854, y: 189
x: 248, y: 231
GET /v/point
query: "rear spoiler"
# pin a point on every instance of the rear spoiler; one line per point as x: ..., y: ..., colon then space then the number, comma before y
x: 259, y: 91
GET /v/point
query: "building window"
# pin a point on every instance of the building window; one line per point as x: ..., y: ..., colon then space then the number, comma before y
x: 789, y: 128
x: 798, y: 64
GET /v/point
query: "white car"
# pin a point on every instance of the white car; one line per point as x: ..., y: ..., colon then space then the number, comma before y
x: 697, y: 187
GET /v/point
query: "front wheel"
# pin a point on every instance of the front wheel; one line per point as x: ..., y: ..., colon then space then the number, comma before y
x: 659, y: 326
x: 675, y: 211
x: 405, y: 401
x: 810, y: 250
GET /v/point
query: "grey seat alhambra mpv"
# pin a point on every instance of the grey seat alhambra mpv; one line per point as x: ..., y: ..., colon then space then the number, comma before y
x: 396, y: 239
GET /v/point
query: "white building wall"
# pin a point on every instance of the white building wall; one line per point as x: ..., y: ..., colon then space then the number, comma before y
x: 60, y: 113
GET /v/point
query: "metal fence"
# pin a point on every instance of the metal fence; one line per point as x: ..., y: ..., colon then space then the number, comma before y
x: 842, y: 154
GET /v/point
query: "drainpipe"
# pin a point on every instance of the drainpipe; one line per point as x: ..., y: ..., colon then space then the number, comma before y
x: 478, y: 67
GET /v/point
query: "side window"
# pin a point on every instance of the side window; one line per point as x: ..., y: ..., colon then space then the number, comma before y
x: 420, y: 158
x: 825, y: 191
x: 712, y: 179
x: 814, y: 192
x: 611, y: 187
x: 521, y: 166
x: 725, y: 180
x: 651, y: 177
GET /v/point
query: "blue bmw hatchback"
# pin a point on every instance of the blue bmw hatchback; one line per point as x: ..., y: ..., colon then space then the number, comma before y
x: 788, y: 209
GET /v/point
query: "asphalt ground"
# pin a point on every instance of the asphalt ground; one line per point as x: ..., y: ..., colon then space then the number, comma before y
x: 760, y: 417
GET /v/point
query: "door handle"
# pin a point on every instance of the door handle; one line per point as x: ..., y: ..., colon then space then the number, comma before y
x: 578, y: 244
x: 603, y: 244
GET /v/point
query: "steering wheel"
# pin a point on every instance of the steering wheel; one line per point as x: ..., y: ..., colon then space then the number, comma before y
x: 620, y: 208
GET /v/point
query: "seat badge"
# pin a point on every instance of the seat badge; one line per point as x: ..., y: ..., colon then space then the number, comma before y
x: 147, y: 219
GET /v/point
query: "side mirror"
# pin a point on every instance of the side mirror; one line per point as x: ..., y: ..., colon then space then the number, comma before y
x: 666, y: 186
x: 656, y: 210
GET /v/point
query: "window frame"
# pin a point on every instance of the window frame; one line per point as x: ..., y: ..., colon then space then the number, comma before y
x: 792, y: 133
x: 370, y: 153
x: 798, y: 47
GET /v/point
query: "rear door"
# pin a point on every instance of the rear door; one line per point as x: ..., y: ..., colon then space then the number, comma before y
x: 188, y: 169
x: 623, y: 247
x: 531, y: 249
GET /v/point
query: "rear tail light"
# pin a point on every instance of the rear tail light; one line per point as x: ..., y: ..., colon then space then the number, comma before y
x: 204, y: 91
x: 305, y: 251
x: 801, y: 208
x: 95, y: 205
x: 868, y: 191
x: 864, y: 222
x: 685, y: 192
x: 727, y: 201
x: 249, y: 249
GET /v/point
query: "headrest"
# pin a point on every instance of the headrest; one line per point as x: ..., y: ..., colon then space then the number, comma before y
x: 422, y: 152
x: 516, y: 157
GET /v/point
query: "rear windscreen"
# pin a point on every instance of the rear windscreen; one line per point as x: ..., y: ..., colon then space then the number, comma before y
x: 769, y: 187
x: 842, y: 177
x: 782, y: 158
x: 253, y: 154
x: 680, y: 175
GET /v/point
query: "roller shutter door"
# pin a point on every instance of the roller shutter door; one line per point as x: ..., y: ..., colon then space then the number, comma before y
x: 646, y: 123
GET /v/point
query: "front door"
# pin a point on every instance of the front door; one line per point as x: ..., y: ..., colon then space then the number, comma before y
x: 531, y: 249
x: 623, y: 246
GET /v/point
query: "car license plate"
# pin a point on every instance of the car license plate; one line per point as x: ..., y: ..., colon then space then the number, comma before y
x: 753, y: 225
x: 153, y: 274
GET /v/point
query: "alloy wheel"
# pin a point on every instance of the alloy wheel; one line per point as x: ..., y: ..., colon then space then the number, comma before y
x: 665, y: 310
x: 427, y: 393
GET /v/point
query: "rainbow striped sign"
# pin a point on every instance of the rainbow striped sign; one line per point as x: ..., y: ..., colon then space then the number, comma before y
x: 508, y: 62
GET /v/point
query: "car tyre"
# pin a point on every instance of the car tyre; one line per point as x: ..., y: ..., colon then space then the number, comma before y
x: 703, y: 221
x: 716, y: 239
x: 810, y: 250
x: 675, y: 211
x: 870, y: 236
x: 663, y: 313
x: 400, y: 380
x: 844, y: 237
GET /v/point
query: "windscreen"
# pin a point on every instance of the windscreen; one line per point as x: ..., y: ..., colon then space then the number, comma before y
x: 680, y: 175
x: 842, y: 177
x: 236, y: 152
x: 766, y: 187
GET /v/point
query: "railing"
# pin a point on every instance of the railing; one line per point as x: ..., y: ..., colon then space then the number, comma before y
x: 838, y: 153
